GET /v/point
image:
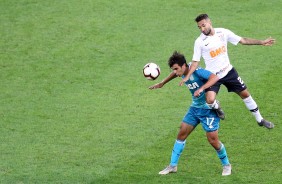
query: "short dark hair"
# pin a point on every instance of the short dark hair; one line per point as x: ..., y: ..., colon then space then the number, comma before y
x: 201, y: 17
x: 176, y: 58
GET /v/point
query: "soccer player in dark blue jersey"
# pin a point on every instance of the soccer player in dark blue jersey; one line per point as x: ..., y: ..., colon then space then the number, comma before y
x: 198, y: 112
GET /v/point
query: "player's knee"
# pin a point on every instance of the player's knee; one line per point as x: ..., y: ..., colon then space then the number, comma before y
x: 182, y: 134
x: 210, y: 97
x: 213, y: 140
x: 244, y: 94
x: 181, y: 137
x: 210, y: 101
x: 215, y: 144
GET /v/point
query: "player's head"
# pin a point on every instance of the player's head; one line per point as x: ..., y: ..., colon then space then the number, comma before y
x: 176, y: 58
x: 177, y: 63
x: 204, y: 24
x: 202, y: 17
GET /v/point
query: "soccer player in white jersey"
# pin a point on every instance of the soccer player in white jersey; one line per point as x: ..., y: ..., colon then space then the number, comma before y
x: 198, y: 112
x: 212, y: 46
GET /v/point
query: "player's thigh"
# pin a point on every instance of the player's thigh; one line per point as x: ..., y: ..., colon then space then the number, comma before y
x: 233, y: 82
x: 189, y: 122
x: 214, y: 88
x: 184, y: 131
x: 191, y: 117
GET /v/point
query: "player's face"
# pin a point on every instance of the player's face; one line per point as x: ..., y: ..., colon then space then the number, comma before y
x: 178, y: 70
x: 205, y: 26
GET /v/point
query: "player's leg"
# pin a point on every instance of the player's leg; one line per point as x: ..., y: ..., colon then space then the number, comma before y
x: 187, y: 126
x: 234, y: 83
x: 218, y: 146
x: 252, y: 106
x: 185, y: 130
x: 210, y: 123
x: 221, y: 152
x: 213, y: 103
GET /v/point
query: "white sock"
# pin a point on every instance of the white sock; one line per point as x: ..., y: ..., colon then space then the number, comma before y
x: 214, y: 105
x: 252, y: 106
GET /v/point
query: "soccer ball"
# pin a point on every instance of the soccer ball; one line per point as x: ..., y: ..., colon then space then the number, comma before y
x: 151, y: 71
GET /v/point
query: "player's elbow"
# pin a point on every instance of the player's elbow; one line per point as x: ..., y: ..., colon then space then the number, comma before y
x: 244, y: 41
x: 214, y: 78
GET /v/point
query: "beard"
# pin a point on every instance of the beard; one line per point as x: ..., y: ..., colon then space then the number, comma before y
x: 207, y: 32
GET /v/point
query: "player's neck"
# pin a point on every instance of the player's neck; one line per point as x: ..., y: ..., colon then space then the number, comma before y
x: 212, y: 33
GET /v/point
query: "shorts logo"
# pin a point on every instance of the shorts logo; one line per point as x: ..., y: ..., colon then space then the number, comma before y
x: 217, y: 51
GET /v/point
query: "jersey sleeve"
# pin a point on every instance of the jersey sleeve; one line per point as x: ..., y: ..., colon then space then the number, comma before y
x: 205, y: 74
x: 197, y: 50
x: 232, y: 37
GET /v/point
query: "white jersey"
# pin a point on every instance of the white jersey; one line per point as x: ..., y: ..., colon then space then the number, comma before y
x: 214, y: 50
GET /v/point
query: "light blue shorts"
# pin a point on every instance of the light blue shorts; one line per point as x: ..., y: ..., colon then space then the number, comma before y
x: 207, y: 117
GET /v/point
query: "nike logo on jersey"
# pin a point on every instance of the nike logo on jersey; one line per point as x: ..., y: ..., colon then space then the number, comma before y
x: 207, y: 44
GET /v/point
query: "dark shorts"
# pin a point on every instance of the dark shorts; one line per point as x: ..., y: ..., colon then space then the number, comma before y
x: 232, y: 81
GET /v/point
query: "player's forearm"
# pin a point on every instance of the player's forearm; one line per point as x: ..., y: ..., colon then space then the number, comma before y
x: 250, y: 41
x: 192, y: 68
x: 212, y: 80
x: 171, y: 76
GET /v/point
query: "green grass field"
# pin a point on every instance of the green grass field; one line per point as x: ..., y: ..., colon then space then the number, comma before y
x: 75, y: 107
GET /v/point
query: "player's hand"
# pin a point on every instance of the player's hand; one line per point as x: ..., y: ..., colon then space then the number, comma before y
x: 183, y: 81
x: 156, y: 86
x: 268, y: 42
x: 198, y: 92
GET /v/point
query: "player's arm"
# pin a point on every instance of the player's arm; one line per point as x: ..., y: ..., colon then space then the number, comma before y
x: 211, y: 81
x: 249, y: 41
x: 195, y: 60
x: 192, y: 68
x: 171, y: 76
